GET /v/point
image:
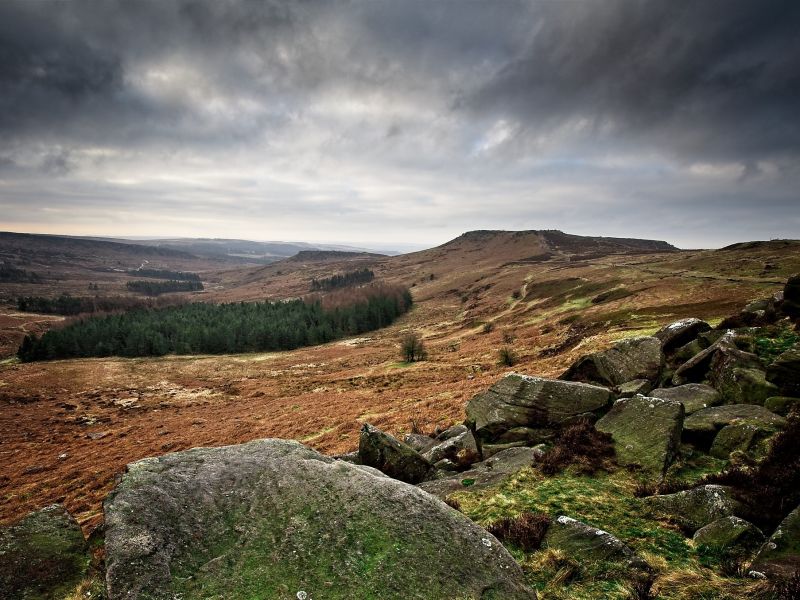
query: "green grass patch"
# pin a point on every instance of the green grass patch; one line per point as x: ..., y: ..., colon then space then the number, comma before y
x: 769, y: 348
x: 604, y: 500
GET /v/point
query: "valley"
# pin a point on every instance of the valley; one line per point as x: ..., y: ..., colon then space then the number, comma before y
x: 69, y: 427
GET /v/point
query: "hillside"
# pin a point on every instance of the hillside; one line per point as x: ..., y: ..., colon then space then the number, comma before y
x: 548, y: 311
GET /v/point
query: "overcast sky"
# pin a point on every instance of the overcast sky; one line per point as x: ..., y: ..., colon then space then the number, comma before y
x: 400, y: 122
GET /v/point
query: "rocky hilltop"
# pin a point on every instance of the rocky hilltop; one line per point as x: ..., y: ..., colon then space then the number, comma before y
x: 663, y: 466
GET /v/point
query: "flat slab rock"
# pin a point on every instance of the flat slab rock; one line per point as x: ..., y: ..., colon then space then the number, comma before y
x: 275, y: 519
x: 42, y: 556
x: 646, y: 431
x: 525, y: 401
x: 585, y: 542
x: 693, y: 396
x: 702, y: 426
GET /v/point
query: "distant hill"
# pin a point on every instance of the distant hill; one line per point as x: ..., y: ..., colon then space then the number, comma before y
x: 242, y: 251
x: 331, y: 255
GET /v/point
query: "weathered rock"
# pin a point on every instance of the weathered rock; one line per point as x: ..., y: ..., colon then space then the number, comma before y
x: 632, y: 388
x: 693, y: 396
x: 780, y: 555
x: 633, y: 358
x: 351, y: 457
x: 701, y: 427
x: 692, y: 509
x: 585, y: 542
x: 791, y: 297
x: 391, y: 456
x: 782, y: 405
x: 274, y: 519
x: 528, y: 435
x: 451, y: 432
x: 489, y: 450
x: 43, y: 556
x: 680, y: 332
x: 744, y: 437
x: 420, y: 443
x: 646, y: 431
x: 696, y: 368
x: 460, y: 449
x: 732, y: 536
x: 492, y: 471
x: 739, y: 377
x: 524, y: 401
x: 784, y: 372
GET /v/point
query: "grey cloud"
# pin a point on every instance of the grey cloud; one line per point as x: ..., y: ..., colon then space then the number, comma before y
x: 420, y: 118
x: 717, y: 79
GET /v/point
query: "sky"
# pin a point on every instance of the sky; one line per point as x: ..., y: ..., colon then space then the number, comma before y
x: 387, y: 123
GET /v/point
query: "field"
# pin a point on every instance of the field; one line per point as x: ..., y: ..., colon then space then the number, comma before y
x: 68, y: 427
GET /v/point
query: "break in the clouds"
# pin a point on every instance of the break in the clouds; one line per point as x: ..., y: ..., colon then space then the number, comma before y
x: 379, y: 122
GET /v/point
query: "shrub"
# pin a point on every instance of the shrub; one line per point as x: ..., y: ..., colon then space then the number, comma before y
x: 771, y: 488
x: 787, y: 589
x: 507, y: 356
x: 488, y: 327
x: 581, y: 445
x: 412, y: 348
x: 525, y: 531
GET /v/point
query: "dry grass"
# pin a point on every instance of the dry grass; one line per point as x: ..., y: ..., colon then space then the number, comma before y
x: 146, y: 407
x: 525, y: 531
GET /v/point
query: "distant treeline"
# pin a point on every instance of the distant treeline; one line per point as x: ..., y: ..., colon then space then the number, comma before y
x: 9, y: 274
x: 342, y: 280
x: 154, y: 288
x: 221, y: 328
x: 165, y: 274
x: 75, y: 305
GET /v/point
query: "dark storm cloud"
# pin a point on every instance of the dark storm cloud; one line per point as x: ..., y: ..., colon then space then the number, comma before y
x: 712, y: 79
x: 423, y: 117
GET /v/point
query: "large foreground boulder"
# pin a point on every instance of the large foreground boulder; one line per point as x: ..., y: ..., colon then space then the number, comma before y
x: 692, y: 509
x: 780, y: 555
x: 274, y: 519
x: 42, y: 556
x: 525, y: 401
x: 646, y: 431
x: 693, y: 396
x: 389, y: 455
x: 633, y: 358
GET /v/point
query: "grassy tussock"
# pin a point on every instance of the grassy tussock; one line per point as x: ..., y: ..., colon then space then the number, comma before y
x: 525, y: 531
